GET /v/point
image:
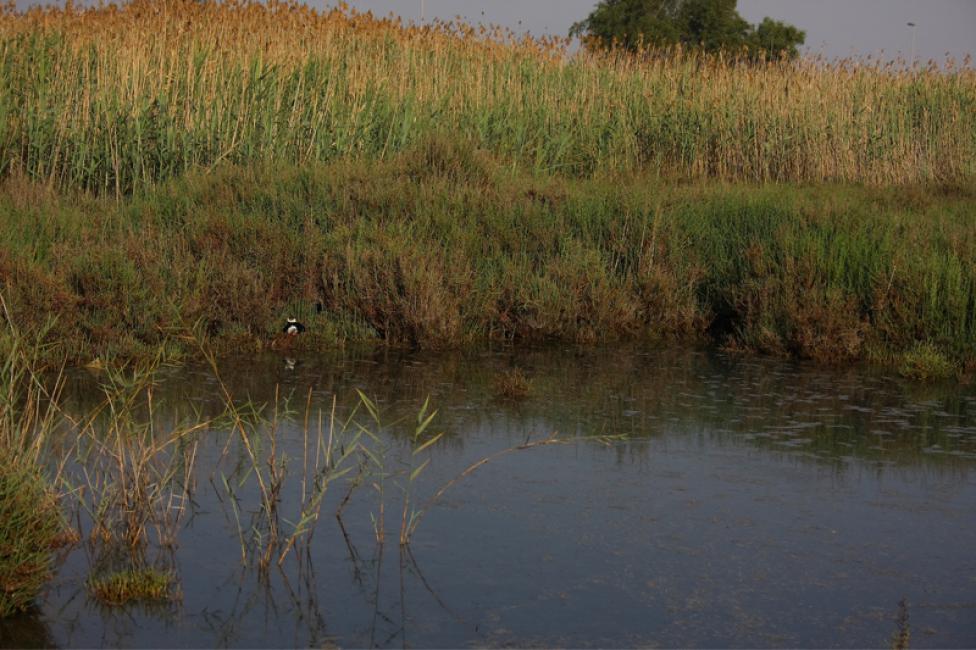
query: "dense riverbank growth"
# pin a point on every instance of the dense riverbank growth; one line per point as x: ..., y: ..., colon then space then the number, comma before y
x: 444, y: 245
x: 169, y: 164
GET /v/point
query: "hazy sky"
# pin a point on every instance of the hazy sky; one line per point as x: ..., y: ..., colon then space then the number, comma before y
x: 837, y: 28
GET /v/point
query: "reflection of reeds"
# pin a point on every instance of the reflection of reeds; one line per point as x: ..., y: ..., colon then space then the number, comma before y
x: 136, y: 477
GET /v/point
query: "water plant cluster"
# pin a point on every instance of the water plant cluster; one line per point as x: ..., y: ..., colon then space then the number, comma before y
x: 120, y: 482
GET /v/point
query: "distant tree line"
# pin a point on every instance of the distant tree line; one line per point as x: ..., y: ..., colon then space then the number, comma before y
x: 709, y: 25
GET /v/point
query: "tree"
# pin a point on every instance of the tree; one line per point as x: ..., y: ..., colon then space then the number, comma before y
x: 711, y: 25
x: 776, y: 38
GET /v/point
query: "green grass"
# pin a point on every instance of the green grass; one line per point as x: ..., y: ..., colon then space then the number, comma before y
x: 445, y: 244
x: 171, y: 164
x: 925, y: 361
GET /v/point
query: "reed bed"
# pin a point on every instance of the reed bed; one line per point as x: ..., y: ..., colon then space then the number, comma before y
x: 135, y: 477
x: 119, y: 474
x: 113, y: 99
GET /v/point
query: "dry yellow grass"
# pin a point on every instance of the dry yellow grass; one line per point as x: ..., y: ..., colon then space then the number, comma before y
x: 115, y: 98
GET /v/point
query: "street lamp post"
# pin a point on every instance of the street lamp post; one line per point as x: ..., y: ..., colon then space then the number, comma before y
x: 914, y: 27
x: 422, y: 11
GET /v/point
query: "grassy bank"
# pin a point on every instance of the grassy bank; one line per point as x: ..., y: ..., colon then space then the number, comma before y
x: 115, y: 99
x: 166, y: 164
x: 445, y: 244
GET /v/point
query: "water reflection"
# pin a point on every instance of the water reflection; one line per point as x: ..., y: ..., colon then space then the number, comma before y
x: 799, y: 409
x: 753, y: 502
x: 27, y: 630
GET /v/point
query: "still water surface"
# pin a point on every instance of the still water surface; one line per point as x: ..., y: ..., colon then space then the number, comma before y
x: 750, y: 502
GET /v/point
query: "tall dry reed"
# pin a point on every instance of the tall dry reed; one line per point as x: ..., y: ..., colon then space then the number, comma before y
x: 115, y: 98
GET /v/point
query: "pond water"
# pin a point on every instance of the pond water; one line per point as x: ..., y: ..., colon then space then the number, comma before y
x: 699, y: 500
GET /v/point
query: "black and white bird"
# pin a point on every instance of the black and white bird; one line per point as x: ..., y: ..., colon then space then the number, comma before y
x: 293, y: 327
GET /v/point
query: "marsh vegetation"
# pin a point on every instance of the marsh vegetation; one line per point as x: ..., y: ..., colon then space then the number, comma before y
x: 121, y: 484
x: 116, y: 99
x: 168, y: 163
x: 178, y: 177
x: 442, y: 246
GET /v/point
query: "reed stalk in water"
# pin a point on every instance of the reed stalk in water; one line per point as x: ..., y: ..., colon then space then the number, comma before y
x: 136, y: 476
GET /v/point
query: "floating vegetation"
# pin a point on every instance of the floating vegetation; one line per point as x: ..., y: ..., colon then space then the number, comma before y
x: 512, y: 384
x: 133, y: 585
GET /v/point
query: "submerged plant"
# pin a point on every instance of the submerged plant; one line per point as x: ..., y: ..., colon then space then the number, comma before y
x: 901, y: 639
